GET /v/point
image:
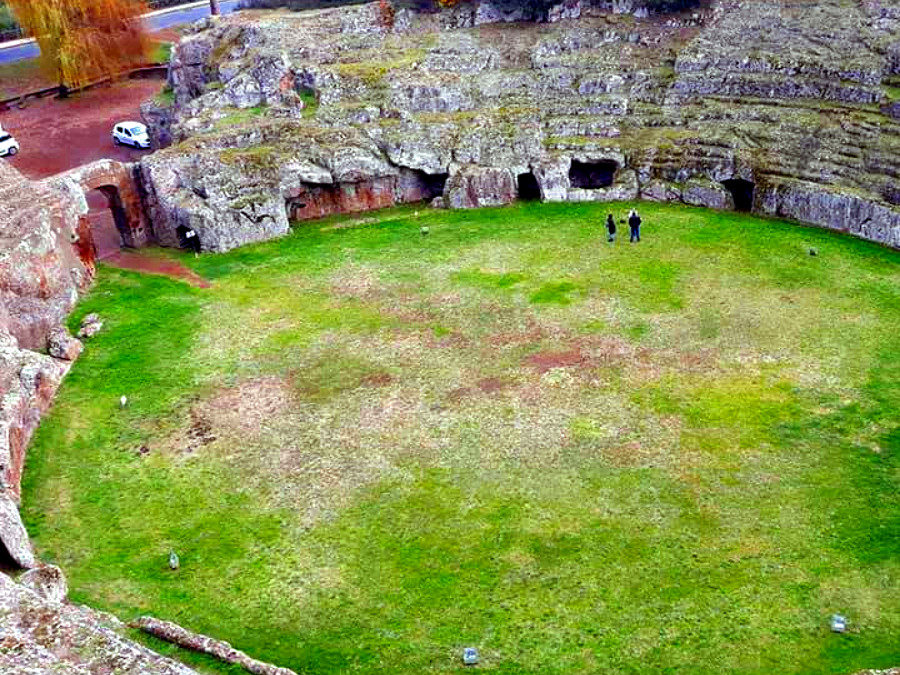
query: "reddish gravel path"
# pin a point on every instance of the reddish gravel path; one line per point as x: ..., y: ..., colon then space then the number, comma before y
x: 142, y: 262
x: 57, y: 135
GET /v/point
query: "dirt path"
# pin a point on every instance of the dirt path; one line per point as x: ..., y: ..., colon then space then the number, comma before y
x: 149, y: 264
x: 57, y: 135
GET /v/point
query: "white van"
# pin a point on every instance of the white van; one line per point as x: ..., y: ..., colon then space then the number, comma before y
x: 131, y: 133
x: 9, y: 146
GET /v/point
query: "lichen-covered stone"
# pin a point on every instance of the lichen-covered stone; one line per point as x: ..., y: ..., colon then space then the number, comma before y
x: 158, y: 120
x: 699, y: 192
x: 48, y: 581
x: 13, y: 536
x: 61, y: 345
x: 474, y: 186
x: 750, y: 91
x: 845, y: 212
x: 43, y: 635
x: 657, y: 190
x: 40, y: 269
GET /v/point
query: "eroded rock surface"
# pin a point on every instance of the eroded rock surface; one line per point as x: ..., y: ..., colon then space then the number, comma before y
x: 282, y: 115
x: 41, y: 272
x: 40, y: 633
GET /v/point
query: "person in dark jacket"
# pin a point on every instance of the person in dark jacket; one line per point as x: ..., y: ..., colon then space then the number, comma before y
x: 188, y: 238
x: 634, y: 223
x: 611, y: 228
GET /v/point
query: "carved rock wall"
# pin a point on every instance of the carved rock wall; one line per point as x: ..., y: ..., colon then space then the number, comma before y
x: 331, y: 109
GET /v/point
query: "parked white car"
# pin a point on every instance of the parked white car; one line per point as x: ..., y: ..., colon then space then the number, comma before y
x: 131, y: 133
x: 9, y: 146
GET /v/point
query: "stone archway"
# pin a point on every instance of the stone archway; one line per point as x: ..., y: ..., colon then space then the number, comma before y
x: 117, y: 184
x: 108, y: 221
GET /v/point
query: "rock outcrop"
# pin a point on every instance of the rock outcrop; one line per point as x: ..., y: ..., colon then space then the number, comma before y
x: 41, y: 633
x: 753, y: 106
x: 42, y: 270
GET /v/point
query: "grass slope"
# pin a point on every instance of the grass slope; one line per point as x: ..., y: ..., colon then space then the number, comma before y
x: 371, y: 448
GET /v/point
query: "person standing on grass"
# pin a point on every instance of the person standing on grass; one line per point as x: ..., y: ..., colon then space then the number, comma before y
x: 634, y: 222
x: 611, y: 228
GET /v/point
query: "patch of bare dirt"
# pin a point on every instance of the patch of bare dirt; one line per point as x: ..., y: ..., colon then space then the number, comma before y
x: 142, y: 262
x: 700, y: 361
x: 487, y: 385
x: 199, y: 433
x: 460, y: 393
x: 534, y: 333
x: 239, y: 412
x: 377, y: 380
x: 545, y: 361
x: 491, y: 385
x: 356, y: 283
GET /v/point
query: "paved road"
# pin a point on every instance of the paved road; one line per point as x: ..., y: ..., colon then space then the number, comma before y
x: 154, y: 23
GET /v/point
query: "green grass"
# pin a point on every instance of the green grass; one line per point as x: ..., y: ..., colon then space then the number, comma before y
x: 372, y: 448
x: 242, y: 116
x: 161, y: 53
x: 310, y: 102
x: 166, y: 96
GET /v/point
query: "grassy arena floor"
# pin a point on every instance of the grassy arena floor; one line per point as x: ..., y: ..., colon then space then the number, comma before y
x: 372, y: 448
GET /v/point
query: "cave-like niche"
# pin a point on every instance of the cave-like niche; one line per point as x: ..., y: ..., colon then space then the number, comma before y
x: 433, y: 184
x: 592, y: 175
x: 527, y: 187
x: 742, y: 192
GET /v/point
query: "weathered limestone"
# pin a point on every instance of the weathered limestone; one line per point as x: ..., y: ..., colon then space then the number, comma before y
x: 657, y: 190
x: 48, y: 581
x: 473, y: 186
x: 158, y: 119
x: 289, y: 116
x: 40, y: 271
x: 41, y: 634
x: 63, y: 346
x: 15, y: 540
x: 28, y: 382
x: 845, y: 212
x: 704, y: 192
x: 43, y: 266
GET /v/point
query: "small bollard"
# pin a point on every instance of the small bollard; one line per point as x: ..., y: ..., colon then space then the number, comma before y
x: 838, y: 624
x: 123, y: 402
x: 174, y: 563
x: 470, y: 656
x: 424, y: 230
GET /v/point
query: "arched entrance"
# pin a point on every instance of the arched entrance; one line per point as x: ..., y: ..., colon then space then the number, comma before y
x: 593, y: 175
x: 108, y: 221
x: 527, y: 187
x: 742, y: 192
x: 115, y: 209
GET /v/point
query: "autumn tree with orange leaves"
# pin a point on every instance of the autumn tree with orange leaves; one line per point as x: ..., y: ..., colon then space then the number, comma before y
x: 82, y: 40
